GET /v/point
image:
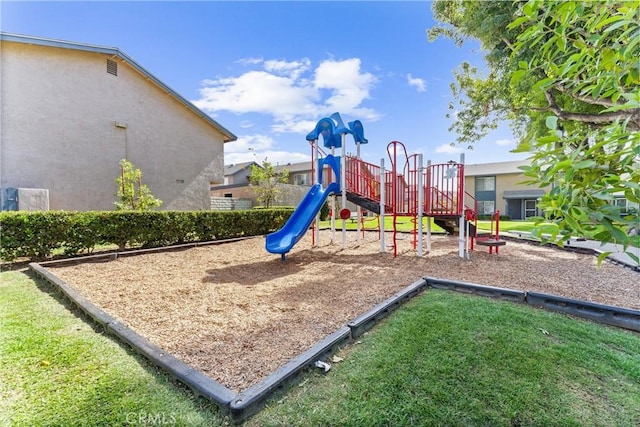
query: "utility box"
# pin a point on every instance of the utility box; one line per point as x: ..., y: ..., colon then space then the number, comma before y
x: 9, y: 199
x: 25, y: 199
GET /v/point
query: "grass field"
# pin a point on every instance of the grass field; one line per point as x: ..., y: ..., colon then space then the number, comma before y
x: 443, y: 359
x: 454, y: 360
x: 405, y: 224
x: 56, y: 370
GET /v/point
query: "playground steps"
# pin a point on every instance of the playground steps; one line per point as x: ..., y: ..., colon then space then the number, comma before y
x: 366, y: 203
x: 451, y: 224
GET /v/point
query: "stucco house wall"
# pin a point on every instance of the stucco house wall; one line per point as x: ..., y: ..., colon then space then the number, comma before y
x: 243, y: 191
x: 510, y: 192
x: 67, y: 123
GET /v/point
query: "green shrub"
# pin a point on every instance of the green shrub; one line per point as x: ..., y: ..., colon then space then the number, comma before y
x: 324, y: 212
x: 36, y: 235
x: 487, y: 217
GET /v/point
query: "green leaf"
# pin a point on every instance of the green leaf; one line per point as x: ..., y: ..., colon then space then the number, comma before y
x: 552, y: 122
x: 543, y: 84
x: 617, y: 25
x: 518, y: 21
x: 517, y: 75
x: 601, y: 257
x: 585, y: 164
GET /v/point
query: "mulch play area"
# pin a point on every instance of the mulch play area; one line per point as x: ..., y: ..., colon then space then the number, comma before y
x: 237, y: 313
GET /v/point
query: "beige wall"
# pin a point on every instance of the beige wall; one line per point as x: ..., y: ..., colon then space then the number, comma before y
x: 504, y: 182
x: 59, y: 108
x: 290, y: 195
x: 242, y: 192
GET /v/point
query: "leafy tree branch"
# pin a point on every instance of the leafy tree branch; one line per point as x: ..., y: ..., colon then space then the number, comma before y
x: 565, y: 75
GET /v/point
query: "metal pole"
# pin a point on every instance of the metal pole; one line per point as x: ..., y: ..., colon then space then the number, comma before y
x: 315, y: 154
x: 343, y: 183
x: 461, y: 233
x: 382, y: 203
x: 429, y: 208
x: 333, y: 204
x: 420, y: 207
x: 359, y: 179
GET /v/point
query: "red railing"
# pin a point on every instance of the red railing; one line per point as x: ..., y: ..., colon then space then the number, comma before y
x: 363, y: 178
x: 443, y: 189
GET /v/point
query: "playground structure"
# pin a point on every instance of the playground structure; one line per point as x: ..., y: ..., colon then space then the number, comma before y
x: 407, y: 189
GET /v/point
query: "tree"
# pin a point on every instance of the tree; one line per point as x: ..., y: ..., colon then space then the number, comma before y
x: 565, y: 74
x: 131, y: 193
x: 264, y: 180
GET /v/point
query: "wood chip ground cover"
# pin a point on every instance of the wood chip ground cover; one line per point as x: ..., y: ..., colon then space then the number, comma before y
x: 237, y: 313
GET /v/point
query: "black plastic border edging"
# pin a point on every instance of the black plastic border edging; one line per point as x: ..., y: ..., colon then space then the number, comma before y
x: 610, y: 315
x: 472, y: 288
x: 243, y: 405
x: 366, y: 321
x: 111, y: 256
x: 600, y: 313
x: 250, y: 401
x: 198, y: 382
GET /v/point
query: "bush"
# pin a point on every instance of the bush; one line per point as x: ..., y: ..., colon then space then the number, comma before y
x: 36, y: 235
x: 487, y: 217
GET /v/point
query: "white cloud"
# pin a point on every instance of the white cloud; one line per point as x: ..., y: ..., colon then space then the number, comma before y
x: 417, y: 82
x: 504, y: 142
x: 259, y: 92
x: 292, y: 125
x: 293, y: 93
x: 248, y: 144
x: 292, y: 69
x: 448, y: 149
x: 250, y: 61
x: 258, y: 147
x: 348, y: 87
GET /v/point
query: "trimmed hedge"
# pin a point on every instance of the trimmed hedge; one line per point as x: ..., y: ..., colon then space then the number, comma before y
x: 36, y: 235
x: 487, y: 217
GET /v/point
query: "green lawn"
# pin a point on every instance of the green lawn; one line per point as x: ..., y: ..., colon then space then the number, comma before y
x: 443, y: 359
x: 56, y: 370
x: 405, y: 224
x: 447, y: 359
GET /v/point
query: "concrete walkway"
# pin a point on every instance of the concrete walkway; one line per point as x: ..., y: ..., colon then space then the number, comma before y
x: 617, y: 253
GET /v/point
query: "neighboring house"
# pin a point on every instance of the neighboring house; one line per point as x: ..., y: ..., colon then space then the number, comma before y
x: 498, y: 186
x: 237, y: 184
x: 71, y: 111
x: 238, y: 173
x: 299, y: 173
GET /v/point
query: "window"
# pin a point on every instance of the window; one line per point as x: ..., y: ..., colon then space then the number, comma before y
x: 621, y: 202
x: 530, y: 208
x: 226, y: 180
x: 485, y: 183
x: 301, y: 179
x: 486, y: 207
x: 112, y: 67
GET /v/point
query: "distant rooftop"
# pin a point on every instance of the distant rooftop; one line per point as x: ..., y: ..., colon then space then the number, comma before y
x: 497, y: 168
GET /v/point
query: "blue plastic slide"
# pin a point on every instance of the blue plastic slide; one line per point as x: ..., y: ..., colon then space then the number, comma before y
x: 299, y: 222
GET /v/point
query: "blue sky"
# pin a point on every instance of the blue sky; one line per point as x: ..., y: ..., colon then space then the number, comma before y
x: 268, y: 71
